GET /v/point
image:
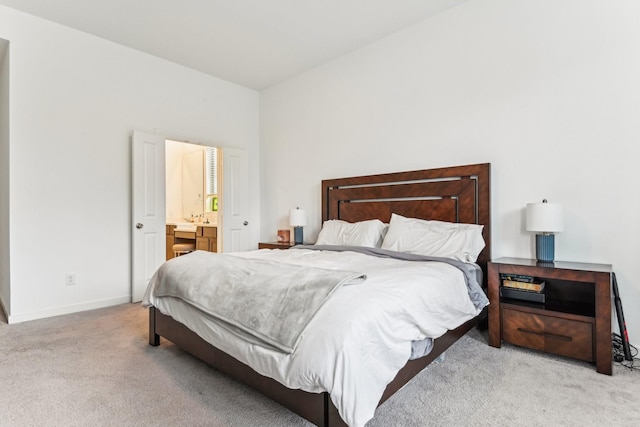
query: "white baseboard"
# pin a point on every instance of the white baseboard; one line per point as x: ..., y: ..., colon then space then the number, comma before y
x: 92, y: 305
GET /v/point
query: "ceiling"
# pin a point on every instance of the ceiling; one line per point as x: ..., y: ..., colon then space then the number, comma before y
x: 254, y: 43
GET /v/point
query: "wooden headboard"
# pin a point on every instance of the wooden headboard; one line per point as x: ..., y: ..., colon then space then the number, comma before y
x: 454, y: 194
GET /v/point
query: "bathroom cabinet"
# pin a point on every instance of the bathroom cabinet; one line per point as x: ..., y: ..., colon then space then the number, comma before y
x: 205, y: 238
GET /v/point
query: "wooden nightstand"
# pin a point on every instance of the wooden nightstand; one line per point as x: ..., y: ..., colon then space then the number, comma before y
x: 275, y: 245
x: 574, y: 320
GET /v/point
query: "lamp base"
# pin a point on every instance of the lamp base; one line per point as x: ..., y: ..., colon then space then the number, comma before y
x: 297, y: 235
x: 545, y: 247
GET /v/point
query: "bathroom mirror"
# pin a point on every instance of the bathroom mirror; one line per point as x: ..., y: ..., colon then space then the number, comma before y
x: 192, y: 183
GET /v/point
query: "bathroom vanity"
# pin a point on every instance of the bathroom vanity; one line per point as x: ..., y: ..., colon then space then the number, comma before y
x: 205, y: 236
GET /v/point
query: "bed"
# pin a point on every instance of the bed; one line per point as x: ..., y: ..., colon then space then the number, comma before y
x: 457, y: 194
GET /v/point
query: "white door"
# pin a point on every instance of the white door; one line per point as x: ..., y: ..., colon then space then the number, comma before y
x: 149, y: 210
x: 235, y: 200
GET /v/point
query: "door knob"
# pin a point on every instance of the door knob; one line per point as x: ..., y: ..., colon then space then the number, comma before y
x: 139, y: 225
x: 245, y: 223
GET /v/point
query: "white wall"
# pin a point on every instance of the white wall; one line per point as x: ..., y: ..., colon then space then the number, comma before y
x: 5, y: 289
x: 75, y: 99
x: 546, y: 91
x: 173, y: 185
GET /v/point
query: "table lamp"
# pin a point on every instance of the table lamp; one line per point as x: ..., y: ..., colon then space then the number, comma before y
x: 297, y: 219
x: 544, y: 219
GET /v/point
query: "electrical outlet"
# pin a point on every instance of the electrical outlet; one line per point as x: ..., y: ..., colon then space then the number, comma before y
x: 72, y: 279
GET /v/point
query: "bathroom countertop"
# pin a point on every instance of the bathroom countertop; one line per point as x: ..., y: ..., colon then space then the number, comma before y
x: 196, y: 224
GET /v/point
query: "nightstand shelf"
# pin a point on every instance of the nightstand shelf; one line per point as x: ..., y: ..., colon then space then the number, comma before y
x: 574, y: 320
x: 275, y: 245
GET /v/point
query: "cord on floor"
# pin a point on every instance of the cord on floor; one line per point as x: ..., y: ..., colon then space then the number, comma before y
x: 618, y: 353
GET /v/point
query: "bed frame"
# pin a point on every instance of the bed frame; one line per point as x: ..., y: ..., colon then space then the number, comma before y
x: 455, y: 194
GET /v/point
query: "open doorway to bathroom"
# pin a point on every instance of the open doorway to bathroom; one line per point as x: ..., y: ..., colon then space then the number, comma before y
x: 193, y: 183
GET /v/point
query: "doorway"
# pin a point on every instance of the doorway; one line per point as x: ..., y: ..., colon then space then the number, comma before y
x: 193, y: 180
x: 148, y: 191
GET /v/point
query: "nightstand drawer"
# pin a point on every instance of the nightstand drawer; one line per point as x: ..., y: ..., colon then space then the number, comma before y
x: 571, y: 338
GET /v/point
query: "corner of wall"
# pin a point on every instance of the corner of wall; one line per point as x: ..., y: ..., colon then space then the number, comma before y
x: 5, y: 285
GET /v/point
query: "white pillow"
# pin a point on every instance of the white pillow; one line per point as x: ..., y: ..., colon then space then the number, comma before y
x: 364, y: 233
x: 463, y: 242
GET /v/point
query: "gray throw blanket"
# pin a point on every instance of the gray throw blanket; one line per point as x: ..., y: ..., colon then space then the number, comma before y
x: 472, y: 272
x: 272, y: 302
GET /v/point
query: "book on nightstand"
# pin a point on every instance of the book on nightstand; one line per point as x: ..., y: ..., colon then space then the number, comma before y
x: 522, y: 295
x: 516, y: 277
x: 524, y: 286
x: 521, y: 287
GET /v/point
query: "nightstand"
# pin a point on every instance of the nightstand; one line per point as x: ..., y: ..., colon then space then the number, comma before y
x: 275, y: 245
x: 574, y: 320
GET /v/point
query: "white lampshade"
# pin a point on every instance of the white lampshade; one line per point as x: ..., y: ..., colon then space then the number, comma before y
x: 297, y: 217
x: 544, y: 217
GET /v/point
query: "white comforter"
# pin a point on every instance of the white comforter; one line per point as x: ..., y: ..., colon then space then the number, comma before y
x: 360, y: 338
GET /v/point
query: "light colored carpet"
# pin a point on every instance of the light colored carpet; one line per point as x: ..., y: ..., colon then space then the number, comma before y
x: 97, y: 369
